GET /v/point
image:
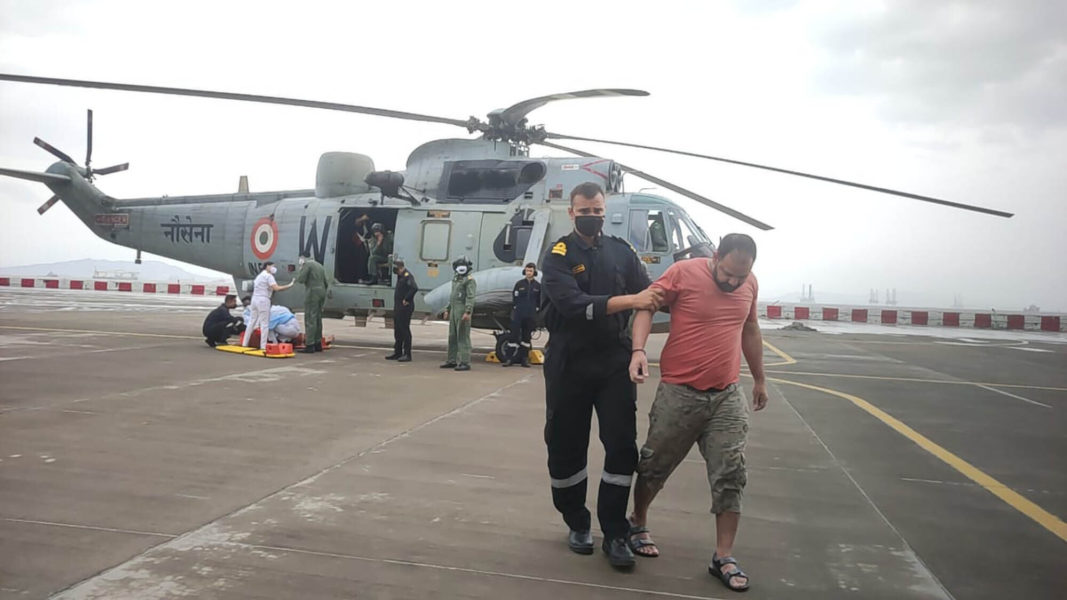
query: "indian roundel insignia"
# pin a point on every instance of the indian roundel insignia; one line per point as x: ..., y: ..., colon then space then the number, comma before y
x: 264, y: 238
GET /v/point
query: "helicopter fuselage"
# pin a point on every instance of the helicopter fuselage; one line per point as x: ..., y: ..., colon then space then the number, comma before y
x: 500, y: 213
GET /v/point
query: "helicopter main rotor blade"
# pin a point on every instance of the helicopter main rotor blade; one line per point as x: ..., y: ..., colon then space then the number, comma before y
x: 89, y: 142
x: 674, y: 188
x: 53, y: 150
x: 151, y: 89
x: 111, y: 169
x: 988, y: 211
x: 516, y: 112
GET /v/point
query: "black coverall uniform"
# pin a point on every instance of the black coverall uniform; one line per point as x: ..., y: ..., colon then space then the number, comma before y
x: 220, y: 324
x: 526, y: 299
x: 404, y: 291
x: 587, y: 366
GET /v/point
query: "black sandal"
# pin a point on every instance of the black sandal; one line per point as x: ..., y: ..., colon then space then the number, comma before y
x: 715, y: 569
x: 635, y: 545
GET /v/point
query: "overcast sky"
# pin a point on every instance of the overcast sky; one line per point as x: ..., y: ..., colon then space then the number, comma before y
x: 960, y: 100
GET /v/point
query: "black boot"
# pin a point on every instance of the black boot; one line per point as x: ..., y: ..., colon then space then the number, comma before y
x: 308, y: 349
x: 404, y: 358
x: 619, y: 554
x: 393, y: 356
x: 580, y: 542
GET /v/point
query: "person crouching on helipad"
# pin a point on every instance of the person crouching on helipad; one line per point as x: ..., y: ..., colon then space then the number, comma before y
x: 220, y: 324
x: 713, y: 321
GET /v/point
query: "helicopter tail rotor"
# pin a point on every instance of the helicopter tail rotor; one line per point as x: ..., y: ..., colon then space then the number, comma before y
x: 90, y: 172
x: 87, y: 170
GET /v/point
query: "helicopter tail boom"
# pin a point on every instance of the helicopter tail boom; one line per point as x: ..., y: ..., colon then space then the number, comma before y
x: 38, y: 176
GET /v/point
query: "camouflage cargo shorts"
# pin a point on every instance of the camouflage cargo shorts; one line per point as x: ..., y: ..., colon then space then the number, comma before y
x: 716, y: 421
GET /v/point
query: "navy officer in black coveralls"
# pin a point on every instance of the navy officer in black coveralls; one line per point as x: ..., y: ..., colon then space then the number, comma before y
x: 525, y: 302
x: 403, y: 307
x: 591, y: 283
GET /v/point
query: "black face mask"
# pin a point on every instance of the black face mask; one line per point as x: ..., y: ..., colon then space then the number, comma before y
x: 588, y: 225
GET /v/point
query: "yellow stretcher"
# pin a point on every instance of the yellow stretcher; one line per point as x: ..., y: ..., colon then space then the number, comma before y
x: 246, y: 351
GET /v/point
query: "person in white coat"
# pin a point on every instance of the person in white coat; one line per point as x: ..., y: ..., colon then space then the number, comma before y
x: 262, y: 287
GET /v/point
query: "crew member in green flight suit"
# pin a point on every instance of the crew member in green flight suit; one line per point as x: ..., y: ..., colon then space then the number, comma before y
x: 380, y: 244
x: 313, y: 277
x: 459, y: 311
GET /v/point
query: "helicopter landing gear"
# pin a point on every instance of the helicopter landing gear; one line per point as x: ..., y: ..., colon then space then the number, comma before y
x: 504, y: 351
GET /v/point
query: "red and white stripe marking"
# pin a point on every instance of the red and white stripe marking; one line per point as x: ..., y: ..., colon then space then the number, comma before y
x: 925, y: 317
x: 140, y: 287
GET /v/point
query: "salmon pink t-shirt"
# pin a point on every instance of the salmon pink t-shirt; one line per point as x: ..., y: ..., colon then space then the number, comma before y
x: 704, y: 346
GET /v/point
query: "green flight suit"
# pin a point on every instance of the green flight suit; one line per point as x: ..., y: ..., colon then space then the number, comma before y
x: 378, y: 254
x: 459, y: 331
x: 313, y: 277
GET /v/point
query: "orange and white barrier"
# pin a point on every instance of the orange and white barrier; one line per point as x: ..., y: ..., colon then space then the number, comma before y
x: 923, y: 318
x: 100, y: 285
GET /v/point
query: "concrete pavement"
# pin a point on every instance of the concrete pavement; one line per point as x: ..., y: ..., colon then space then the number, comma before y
x: 138, y: 463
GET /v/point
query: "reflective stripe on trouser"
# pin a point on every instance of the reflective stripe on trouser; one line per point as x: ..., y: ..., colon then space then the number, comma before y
x: 573, y: 391
x: 402, y: 330
x: 258, y: 319
x: 459, y: 336
x: 314, y: 300
x: 521, y: 334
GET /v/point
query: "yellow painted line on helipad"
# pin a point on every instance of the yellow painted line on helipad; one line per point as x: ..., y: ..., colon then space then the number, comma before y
x: 919, y: 380
x: 789, y: 360
x: 1017, y: 501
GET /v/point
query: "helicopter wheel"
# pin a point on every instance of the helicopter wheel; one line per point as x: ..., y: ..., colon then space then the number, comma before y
x: 503, y: 351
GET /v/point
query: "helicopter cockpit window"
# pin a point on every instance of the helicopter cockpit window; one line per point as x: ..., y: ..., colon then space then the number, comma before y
x: 638, y: 235
x: 435, y: 237
x: 657, y: 232
x: 647, y: 231
x: 689, y: 240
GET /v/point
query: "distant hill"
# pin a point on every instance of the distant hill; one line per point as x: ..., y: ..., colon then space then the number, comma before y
x: 149, y: 270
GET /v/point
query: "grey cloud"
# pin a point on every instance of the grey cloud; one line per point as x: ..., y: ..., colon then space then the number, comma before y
x: 986, y: 64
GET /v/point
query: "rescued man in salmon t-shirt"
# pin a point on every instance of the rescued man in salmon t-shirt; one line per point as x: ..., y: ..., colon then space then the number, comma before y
x: 713, y: 321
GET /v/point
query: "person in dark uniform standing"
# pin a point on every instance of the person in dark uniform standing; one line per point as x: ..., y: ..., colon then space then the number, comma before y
x: 403, y: 306
x: 525, y: 302
x: 591, y: 283
x: 220, y: 324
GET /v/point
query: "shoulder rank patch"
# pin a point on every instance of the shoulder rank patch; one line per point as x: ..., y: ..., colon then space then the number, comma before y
x: 560, y: 248
x: 579, y: 268
x: 624, y: 241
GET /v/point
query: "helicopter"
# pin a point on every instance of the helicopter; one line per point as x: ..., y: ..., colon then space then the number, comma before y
x: 485, y: 199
